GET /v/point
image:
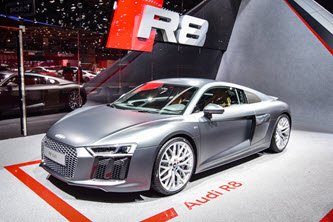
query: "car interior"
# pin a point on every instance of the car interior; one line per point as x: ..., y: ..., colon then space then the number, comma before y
x: 224, y: 97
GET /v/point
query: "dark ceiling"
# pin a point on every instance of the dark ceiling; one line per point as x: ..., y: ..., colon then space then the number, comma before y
x: 90, y: 15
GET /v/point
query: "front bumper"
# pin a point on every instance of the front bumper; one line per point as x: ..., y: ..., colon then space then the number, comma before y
x: 119, y: 174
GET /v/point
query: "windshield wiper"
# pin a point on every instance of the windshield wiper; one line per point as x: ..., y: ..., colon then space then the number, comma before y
x: 145, y: 111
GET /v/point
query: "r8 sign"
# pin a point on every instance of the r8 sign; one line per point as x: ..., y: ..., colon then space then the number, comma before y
x: 135, y: 23
x: 185, y: 29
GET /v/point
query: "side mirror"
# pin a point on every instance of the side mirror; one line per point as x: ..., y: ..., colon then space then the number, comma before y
x: 211, y: 109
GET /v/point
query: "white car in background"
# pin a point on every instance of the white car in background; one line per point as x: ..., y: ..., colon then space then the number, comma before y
x: 87, y: 76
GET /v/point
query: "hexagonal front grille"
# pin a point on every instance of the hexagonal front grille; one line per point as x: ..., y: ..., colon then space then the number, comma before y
x: 101, y: 168
x: 70, y: 159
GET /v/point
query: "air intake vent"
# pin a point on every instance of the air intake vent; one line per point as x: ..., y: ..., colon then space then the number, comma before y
x: 112, y: 168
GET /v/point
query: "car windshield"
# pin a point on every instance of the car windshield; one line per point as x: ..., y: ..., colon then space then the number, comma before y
x: 157, y: 97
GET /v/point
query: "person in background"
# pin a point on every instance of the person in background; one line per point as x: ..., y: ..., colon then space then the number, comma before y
x: 79, y: 76
x: 68, y: 73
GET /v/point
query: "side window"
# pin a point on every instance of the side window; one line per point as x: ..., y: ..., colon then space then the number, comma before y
x: 40, y: 80
x: 252, y: 98
x: 241, y: 96
x: 14, y: 81
x: 30, y: 80
x: 34, y: 80
x: 224, y: 97
x: 232, y: 98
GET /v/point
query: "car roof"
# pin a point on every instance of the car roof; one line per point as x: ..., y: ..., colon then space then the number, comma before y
x: 51, y: 77
x: 198, y: 82
x: 62, y: 81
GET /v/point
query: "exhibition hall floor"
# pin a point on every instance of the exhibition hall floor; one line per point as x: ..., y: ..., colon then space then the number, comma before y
x: 295, y: 185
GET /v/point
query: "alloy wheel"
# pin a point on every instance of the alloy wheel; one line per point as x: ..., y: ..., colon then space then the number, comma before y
x: 74, y: 100
x: 282, y: 133
x: 176, y: 166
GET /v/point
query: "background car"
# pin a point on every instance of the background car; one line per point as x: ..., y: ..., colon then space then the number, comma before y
x: 43, y: 71
x: 42, y: 93
x: 160, y: 133
x: 87, y: 76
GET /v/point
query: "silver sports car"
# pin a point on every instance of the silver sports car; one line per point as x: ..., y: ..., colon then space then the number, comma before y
x: 160, y: 133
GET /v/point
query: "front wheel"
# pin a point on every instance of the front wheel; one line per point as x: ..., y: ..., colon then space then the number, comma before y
x: 74, y: 100
x: 173, y: 167
x: 281, y: 134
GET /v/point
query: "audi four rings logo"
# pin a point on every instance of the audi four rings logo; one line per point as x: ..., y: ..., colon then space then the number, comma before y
x: 135, y: 23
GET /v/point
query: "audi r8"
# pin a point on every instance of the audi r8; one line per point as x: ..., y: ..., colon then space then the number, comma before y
x: 161, y: 133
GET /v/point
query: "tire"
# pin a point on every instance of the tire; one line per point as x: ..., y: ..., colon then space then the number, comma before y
x: 74, y: 100
x: 281, y: 134
x: 173, y: 166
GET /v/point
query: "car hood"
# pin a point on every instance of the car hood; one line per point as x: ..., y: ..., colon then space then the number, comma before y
x: 86, y: 126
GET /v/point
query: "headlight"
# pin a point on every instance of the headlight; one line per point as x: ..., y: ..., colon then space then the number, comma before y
x: 113, y: 150
x: 42, y: 147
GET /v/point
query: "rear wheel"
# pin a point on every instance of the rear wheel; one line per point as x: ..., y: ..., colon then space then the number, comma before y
x: 281, y: 134
x: 74, y: 100
x: 173, y: 167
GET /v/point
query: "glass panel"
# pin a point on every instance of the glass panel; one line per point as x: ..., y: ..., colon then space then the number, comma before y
x: 64, y: 44
x: 224, y: 97
x: 157, y: 97
x: 252, y: 98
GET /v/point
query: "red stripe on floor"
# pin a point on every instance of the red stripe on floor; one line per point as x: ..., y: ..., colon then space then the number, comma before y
x: 26, y: 164
x: 310, y: 28
x: 57, y: 203
x: 163, y: 216
x: 328, y: 217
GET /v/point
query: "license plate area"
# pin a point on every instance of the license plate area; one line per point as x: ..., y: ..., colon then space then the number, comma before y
x: 55, y: 156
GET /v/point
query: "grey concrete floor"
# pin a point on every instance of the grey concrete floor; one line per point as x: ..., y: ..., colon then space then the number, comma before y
x: 295, y: 185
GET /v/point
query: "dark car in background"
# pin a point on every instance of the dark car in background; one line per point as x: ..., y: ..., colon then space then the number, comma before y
x: 42, y: 93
